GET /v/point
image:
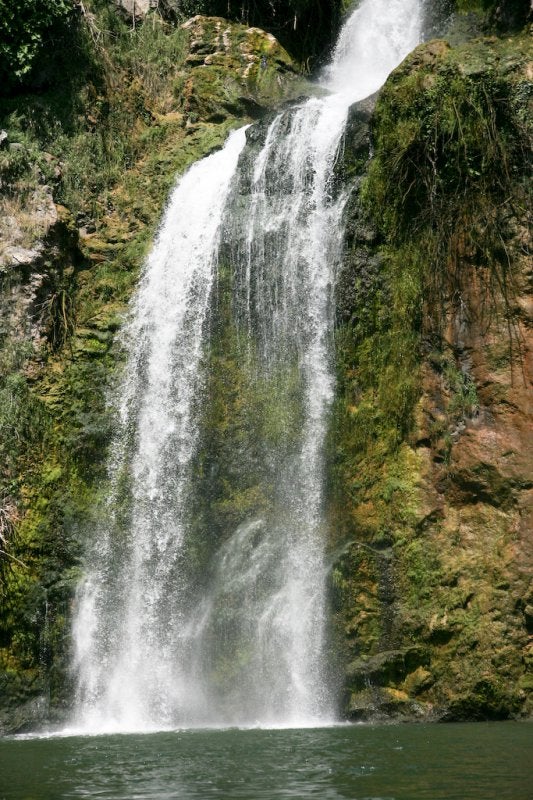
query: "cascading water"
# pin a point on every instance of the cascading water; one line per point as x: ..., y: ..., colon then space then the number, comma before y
x: 129, y: 628
x: 149, y: 651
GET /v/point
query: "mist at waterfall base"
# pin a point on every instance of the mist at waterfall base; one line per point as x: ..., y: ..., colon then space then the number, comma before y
x: 155, y: 647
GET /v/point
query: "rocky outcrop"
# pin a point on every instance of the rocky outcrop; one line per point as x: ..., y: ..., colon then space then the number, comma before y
x: 434, y: 454
x: 38, y: 258
x: 234, y: 71
x: 136, y: 9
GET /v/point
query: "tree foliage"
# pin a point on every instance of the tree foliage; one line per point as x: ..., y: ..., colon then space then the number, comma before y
x: 25, y: 26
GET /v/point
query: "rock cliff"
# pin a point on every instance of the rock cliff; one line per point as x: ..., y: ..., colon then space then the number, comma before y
x: 433, y: 445
x: 431, y: 470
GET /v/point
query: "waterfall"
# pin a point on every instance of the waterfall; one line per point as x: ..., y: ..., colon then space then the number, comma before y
x: 154, y: 646
x: 129, y: 624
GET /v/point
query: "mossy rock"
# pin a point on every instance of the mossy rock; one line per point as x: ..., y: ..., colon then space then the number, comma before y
x: 386, y: 705
x: 388, y: 668
x: 234, y: 70
x: 412, y: 426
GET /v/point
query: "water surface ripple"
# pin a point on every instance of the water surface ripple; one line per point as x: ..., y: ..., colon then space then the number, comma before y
x: 412, y: 762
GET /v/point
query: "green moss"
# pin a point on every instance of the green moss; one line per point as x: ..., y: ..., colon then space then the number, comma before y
x: 447, y: 147
x: 450, y: 139
x: 247, y: 413
x: 305, y: 27
x: 511, y: 15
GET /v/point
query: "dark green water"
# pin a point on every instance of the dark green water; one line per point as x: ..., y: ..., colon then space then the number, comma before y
x: 410, y: 762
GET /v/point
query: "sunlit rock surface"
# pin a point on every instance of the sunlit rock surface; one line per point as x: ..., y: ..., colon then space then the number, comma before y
x: 436, y: 458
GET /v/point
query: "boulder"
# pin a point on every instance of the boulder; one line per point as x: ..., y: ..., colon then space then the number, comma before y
x: 234, y: 71
x: 136, y: 9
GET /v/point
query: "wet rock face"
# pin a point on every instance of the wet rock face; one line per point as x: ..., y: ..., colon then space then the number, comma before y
x: 37, y: 255
x: 436, y: 513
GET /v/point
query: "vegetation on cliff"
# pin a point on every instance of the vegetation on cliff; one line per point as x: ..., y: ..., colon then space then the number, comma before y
x: 25, y: 28
x: 434, y: 352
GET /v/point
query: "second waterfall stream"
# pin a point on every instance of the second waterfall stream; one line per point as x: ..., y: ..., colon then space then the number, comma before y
x: 183, y: 619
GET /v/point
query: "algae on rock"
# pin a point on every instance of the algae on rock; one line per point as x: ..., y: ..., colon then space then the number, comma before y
x: 432, y: 470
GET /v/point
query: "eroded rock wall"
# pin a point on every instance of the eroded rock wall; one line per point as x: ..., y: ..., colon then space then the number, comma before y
x: 432, y: 463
